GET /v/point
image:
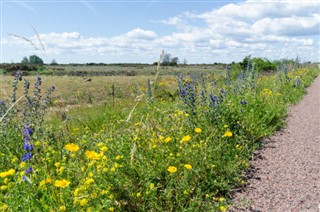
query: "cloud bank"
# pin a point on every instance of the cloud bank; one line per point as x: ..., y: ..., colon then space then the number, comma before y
x: 265, y: 29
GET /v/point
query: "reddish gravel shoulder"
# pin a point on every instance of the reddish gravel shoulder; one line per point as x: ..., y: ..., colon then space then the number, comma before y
x: 286, y: 173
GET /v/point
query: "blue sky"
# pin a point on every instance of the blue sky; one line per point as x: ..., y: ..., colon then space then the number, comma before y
x: 82, y: 31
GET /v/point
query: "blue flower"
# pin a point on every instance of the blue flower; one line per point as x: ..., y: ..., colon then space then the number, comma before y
x: 26, y: 157
x: 29, y: 170
x: 27, y: 146
x: 243, y: 102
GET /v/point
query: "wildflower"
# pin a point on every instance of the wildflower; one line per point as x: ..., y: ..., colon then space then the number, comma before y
x: 223, y: 208
x: 221, y: 199
x: 57, y: 164
x: 61, y: 183
x: 198, y: 130
x: 118, y: 157
x: 62, y: 208
x: 7, y: 173
x: 3, y: 187
x: 83, y: 202
x: 46, y: 181
x: 111, y: 209
x: 138, y: 194
x: 92, y: 155
x: 244, y: 103
x: 167, y: 140
x: 29, y: 170
x: 72, y: 147
x: 227, y: 134
x: 103, y: 149
x: 26, y: 157
x: 187, y: 166
x: 172, y: 169
x: 89, y: 181
x: 14, y: 160
x: 185, y: 139
x: 22, y: 164
x: 151, y: 186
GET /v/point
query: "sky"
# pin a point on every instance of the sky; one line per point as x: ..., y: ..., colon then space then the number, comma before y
x: 197, y: 31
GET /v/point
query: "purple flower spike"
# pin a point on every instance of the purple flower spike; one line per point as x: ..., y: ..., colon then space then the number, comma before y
x: 26, y: 157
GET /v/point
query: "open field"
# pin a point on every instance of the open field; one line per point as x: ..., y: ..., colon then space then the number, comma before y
x: 175, y: 144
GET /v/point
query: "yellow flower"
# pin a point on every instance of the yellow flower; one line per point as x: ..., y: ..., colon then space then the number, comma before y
x: 61, y: 183
x: 187, y: 166
x: 223, y: 208
x: 111, y: 209
x: 57, y: 164
x: 103, y: 149
x: 168, y: 139
x: 72, y: 147
x: 83, y: 202
x: 46, y: 181
x: 172, y: 169
x: 221, y: 199
x: 198, y: 130
x: 89, y: 181
x: 185, y: 138
x: 3, y: 187
x: 22, y: 164
x: 7, y: 173
x: 151, y: 186
x: 138, y: 194
x: 92, y: 155
x: 62, y: 208
x: 227, y: 134
x: 14, y: 160
x: 118, y: 157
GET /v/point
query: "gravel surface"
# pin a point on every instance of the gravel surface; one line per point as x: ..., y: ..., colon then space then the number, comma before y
x: 285, y: 174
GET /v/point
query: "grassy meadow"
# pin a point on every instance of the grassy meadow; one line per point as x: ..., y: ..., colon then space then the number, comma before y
x: 146, y: 142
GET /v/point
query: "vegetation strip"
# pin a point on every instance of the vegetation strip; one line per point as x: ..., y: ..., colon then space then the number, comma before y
x: 180, y: 150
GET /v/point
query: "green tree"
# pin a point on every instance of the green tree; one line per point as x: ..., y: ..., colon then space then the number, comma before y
x: 35, y: 60
x: 54, y: 62
x: 25, y: 61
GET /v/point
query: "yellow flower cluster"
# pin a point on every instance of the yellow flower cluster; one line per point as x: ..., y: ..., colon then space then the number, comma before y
x: 61, y: 183
x: 92, y: 155
x: 46, y: 181
x: 266, y: 92
x: 7, y: 173
x: 72, y: 147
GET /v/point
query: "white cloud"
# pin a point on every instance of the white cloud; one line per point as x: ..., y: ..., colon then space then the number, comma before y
x: 141, y: 34
x: 267, y: 29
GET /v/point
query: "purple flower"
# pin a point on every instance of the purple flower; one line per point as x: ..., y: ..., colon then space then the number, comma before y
x: 27, y: 146
x: 29, y: 170
x: 244, y: 102
x: 26, y: 157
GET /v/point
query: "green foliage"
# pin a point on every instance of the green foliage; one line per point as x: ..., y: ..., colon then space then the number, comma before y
x: 25, y: 61
x: 257, y: 63
x: 35, y: 60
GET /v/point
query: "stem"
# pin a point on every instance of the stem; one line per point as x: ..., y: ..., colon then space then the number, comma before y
x: 10, y: 108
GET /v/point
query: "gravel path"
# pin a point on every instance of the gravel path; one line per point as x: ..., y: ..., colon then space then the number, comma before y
x: 285, y: 175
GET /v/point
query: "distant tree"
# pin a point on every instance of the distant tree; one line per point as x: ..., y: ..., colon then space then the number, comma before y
x: 174, y: 61
x: 53, y: 62
x: 166, y: 59
x: 35, y: 60
x: 25, y: 61
x: 185, y: 61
